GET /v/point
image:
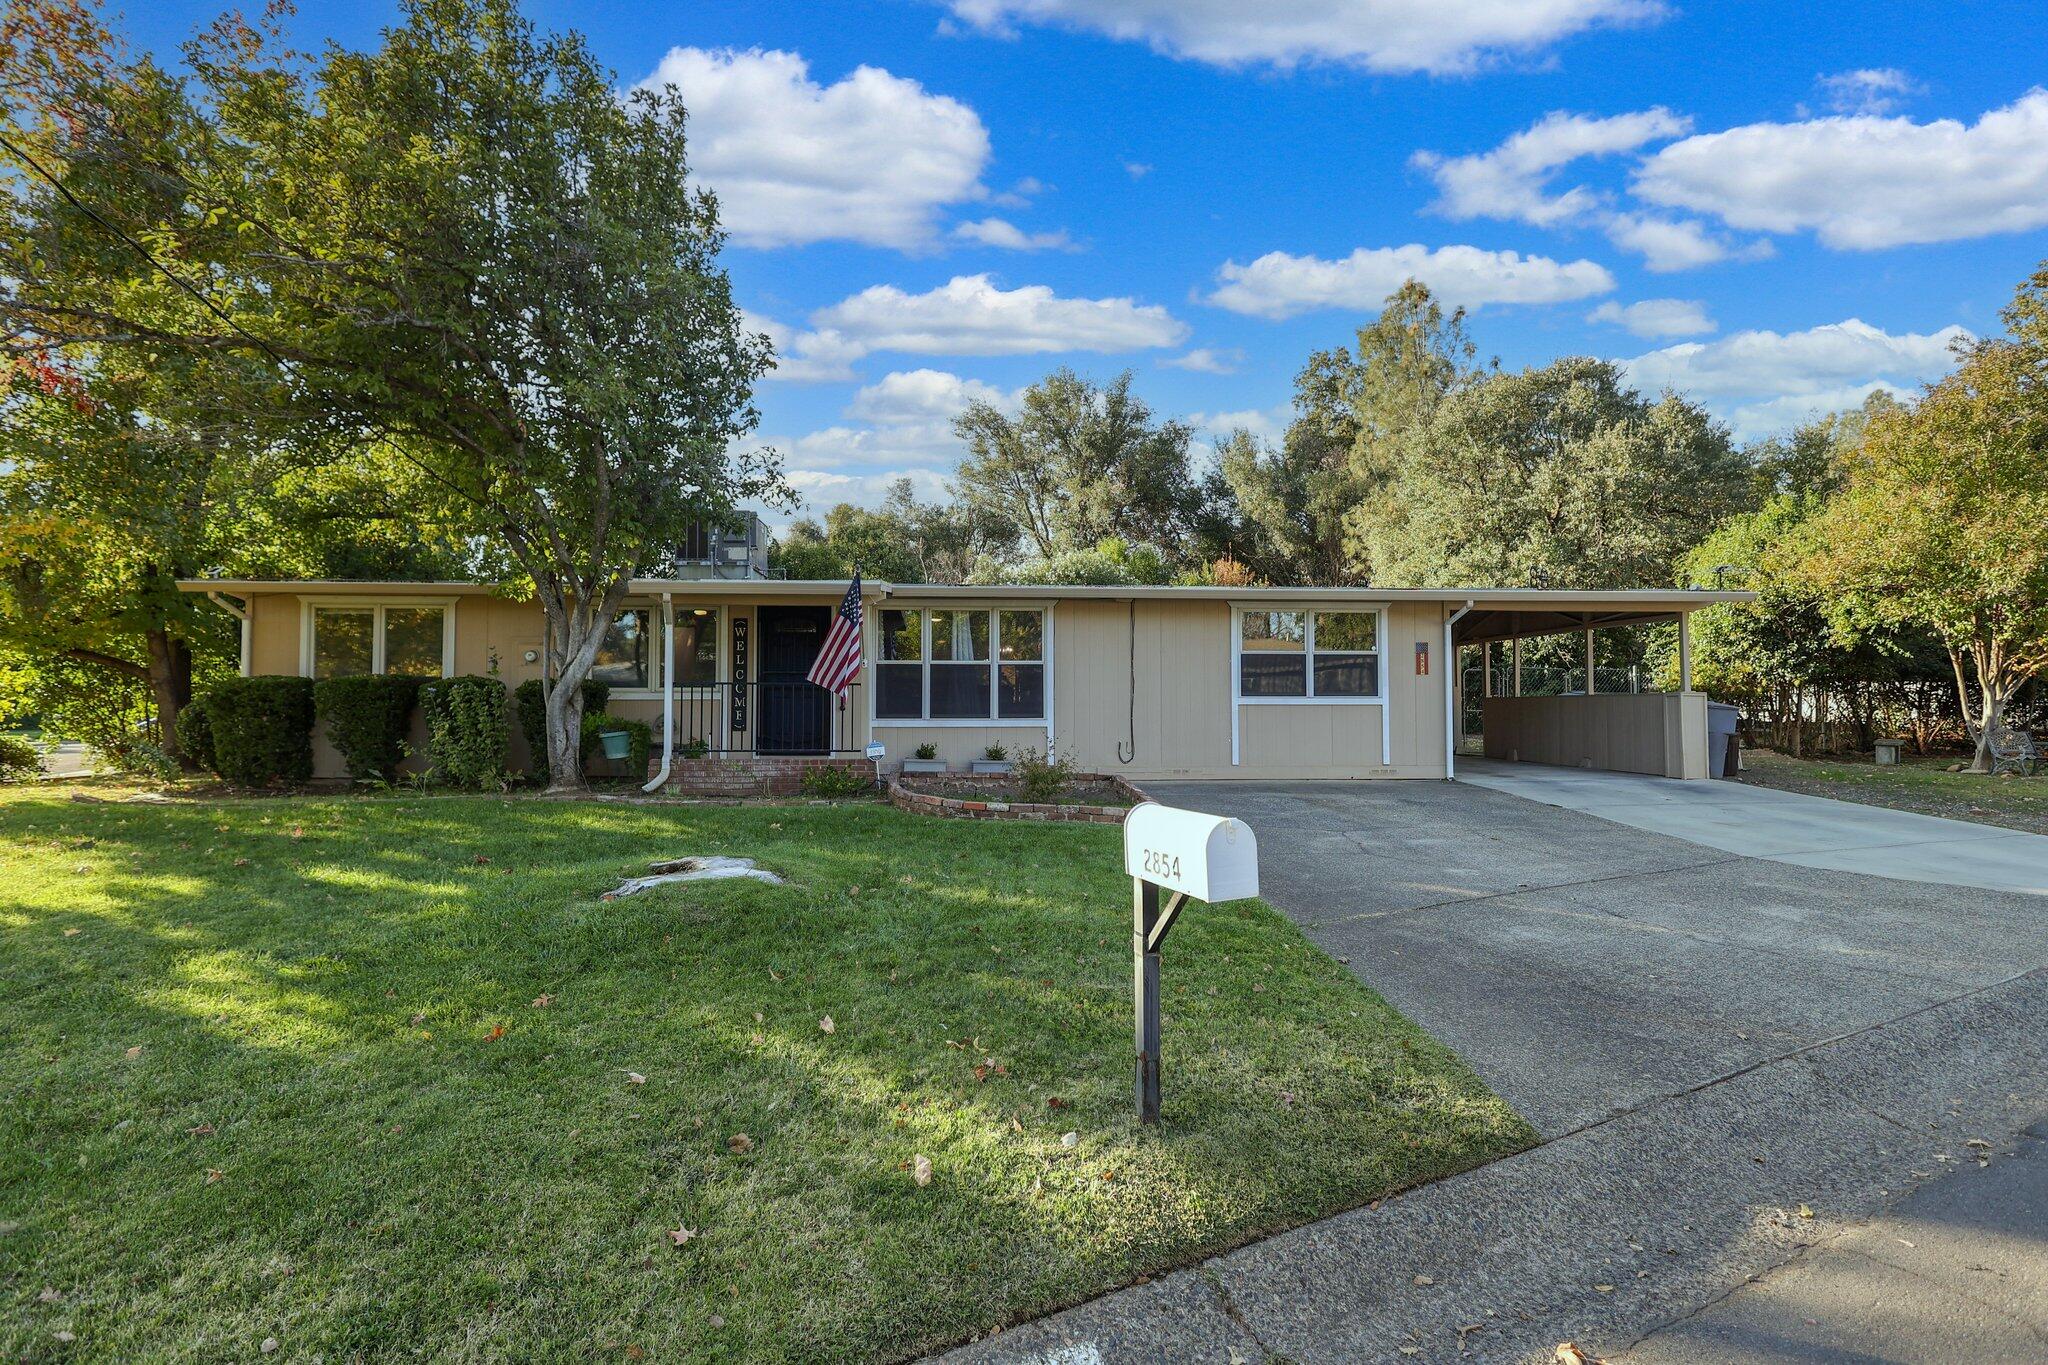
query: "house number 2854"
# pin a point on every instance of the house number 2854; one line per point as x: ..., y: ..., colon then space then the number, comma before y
x: 1157, y: 864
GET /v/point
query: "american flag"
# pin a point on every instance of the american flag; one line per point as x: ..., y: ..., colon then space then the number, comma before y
x: 839, y: 658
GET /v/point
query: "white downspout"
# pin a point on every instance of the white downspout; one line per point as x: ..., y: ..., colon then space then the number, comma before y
x: 240, y: 614
x: 1451, y: 692
x: 668, y: 690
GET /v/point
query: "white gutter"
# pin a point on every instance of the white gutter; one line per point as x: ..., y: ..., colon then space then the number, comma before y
x: 240, y: 614
x: 1451, y: 693
x: 668, y: 690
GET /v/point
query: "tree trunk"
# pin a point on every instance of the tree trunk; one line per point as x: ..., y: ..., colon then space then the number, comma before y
x: 575, y: 628
x: 170, y: 685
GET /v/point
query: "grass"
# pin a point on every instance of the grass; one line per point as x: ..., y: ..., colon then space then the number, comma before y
x: 358, y: 1074
x: 1918, y: 784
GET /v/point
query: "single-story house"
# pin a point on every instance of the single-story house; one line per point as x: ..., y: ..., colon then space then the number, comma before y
x: 1148, y: 682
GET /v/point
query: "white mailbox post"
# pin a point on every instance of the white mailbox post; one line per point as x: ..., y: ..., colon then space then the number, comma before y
x: 1191, y: 856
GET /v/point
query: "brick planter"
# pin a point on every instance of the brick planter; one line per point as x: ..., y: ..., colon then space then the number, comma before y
x: 978, y: 808
x: 750, y: 774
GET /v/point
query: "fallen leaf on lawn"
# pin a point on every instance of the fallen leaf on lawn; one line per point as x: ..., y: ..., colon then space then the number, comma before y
x: 740, y: 1142
x: 1016, y: 1124
x: 497, y: 1032
x: 717, y: 1321
x: 1604, y: 1288
x: 1424, y: 1279
x: 541, y: 1002
x: 418, y: 1019
x: 298, y: 831
x: 1568, y: 1353
x: 49, y: 1295
x: 980, y: 1074
x: 1109, y: 1175
x: 67, y: 1337
x: 921, y: 1170
x: 760, y: 1018
x: 680, y: 1234
x: 73, y: 933
x: 826, y: 1025
x: 1411, y: 1350
x: 201, y: 1130
x: 774, y: 975
x: 756, y: 1040
x: 480, y: 860
x: 1805, y: 1212
x: 132, y: 1053
x: 635, y: 1078
x: 269, y: 1346
x: 1055, y: 1102
x: 84, y: 868
x: 212, y: 1175
x: 1070, y: 1139
x: 241, y: 862
x: 635, y: 1353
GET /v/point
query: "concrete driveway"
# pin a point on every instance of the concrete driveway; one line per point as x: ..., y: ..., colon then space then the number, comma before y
x: 1786, y: 827
x: 1706, y: 1042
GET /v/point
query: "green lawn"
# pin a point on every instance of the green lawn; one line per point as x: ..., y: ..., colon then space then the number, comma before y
x: 359, y: 1074
x: 1922, y: 785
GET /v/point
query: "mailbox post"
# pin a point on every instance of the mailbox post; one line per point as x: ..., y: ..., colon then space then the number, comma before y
x: 1185, y: 855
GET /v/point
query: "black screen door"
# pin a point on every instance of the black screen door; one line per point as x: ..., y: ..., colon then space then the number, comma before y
x: 794, y: 716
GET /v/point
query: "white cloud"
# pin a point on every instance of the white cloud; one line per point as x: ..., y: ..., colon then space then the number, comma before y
x: 998, y: 232
x: 1137, y: 170
x: 1668, y: 244
x: 1657, y: 317
x: 806, y: 358
x: 1278, y: 285
x: 970, y: 315
x: 870, y: 158
x: 1872, y: 90
x: 1267, y: 424
x: 1756, y: 379
x: 1511, y: 181
x: 1863, y: 182
x: 925, y: 395
x: 1378, y: 35
x: 1207, y: 360
x: 821, y: 488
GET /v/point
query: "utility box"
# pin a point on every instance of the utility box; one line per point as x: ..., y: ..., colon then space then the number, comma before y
x: 1889, y: 751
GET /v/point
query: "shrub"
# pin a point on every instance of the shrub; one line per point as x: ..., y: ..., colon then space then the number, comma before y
x: 145, y: 759
x: 694, y: 747
x: 367, y: 720
x: 530, y: 698
x: 19, y: 759
x: 195, y: 733
x: 927, y: 751
x: 640, y: 736
x: 262, y: 729
x: 835, y: 783
x: 468, y: 725
x: 995, y: 753
x: 1043, y: 777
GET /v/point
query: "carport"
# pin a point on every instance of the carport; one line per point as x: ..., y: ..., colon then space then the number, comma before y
x: 1661, y: 734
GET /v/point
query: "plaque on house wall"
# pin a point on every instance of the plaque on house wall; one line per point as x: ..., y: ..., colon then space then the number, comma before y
x: 739, y: 673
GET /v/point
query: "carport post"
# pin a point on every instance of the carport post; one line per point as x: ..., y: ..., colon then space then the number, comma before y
x: 1685, y: 651
x: 1590, y: 687
x: 1486, y: 669
x: 1518, y: 665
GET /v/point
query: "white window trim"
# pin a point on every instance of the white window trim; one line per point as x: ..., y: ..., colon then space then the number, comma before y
x: 927, y: 721
x: 657, y: 652
x: 378, y: 606
x: 1308, y: 650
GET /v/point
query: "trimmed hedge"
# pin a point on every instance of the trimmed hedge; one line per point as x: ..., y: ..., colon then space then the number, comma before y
x: 531, y: 703
x: 368, y: 717
x: 641, y: 738
x: 469, y: 723
x: 195, y: 734
x: 262, y: 729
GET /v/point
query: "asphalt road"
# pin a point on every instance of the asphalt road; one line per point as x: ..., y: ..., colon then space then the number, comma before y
x: 1736, y: 1065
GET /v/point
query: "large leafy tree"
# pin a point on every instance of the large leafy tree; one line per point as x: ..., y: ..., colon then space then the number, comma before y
x: 1943, y: 516
x: 465, y: 249
x: 1558, y: 477
x: 1079, y: 464
x: 902, y: 541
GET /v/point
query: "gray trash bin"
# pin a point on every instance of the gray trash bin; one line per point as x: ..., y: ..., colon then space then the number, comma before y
x: 1724, y: 750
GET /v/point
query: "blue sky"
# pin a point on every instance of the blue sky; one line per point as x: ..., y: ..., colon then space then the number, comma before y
x: 1773, y: 206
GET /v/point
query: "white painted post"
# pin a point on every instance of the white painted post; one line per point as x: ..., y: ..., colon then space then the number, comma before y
x: 1518, y: 665
x: 1685, y: 651
x: 1590, y: 687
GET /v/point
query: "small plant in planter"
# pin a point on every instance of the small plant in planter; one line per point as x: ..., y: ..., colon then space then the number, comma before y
x: 994, y: 762
x: 927, y: 760
x: 695, y: 747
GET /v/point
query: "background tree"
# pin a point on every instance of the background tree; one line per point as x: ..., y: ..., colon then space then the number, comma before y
x: 1079, y: 464
x: 1943, y: 517
x: 1560, y: 477
x: 903, y: 541
x: 466, y: 248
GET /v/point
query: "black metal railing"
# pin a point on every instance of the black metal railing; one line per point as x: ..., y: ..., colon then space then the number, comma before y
x: 774, y: 717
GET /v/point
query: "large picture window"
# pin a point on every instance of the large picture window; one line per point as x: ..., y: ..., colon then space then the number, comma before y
x: 622, y: 655
x: 961, y: 664
x: 350, y: 639
x: 696, y: 646
x: 1310, y: 655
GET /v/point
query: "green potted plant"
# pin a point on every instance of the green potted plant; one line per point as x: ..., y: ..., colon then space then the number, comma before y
x: 994, y: 762
x: 926, y: 761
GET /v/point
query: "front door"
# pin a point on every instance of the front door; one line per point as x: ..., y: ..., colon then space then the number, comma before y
x: 794, y: 715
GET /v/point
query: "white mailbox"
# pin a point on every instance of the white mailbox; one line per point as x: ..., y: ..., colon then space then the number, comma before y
x: 1206, y: 857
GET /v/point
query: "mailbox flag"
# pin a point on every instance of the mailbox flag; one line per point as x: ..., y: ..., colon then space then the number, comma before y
x: 838, y: 661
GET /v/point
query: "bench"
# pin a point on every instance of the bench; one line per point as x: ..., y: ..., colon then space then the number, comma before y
x: 2013, y: 751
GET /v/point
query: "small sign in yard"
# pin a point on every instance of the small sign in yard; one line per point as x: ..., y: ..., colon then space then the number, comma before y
x: 1189, y: 856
